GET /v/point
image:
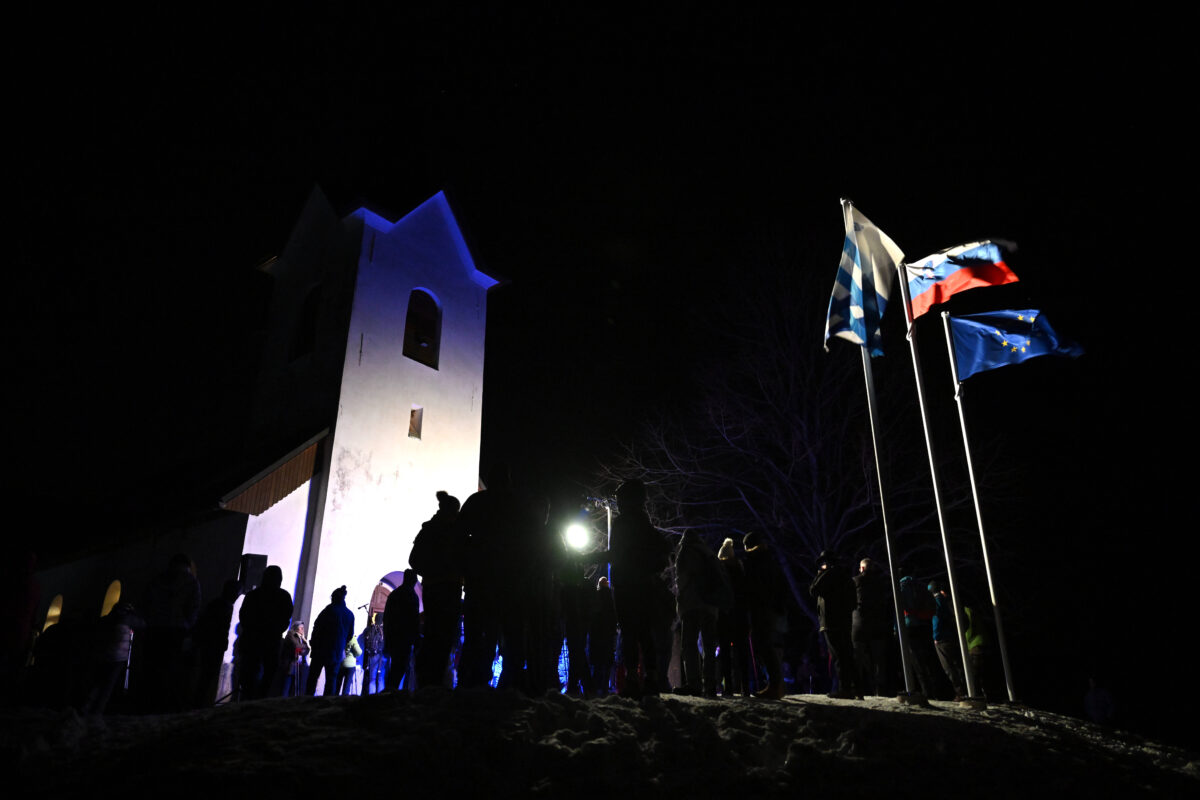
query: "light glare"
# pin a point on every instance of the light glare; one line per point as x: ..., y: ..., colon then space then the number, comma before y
x: 577, y: 536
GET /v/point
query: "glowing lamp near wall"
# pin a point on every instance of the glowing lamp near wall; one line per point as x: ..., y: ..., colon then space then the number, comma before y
x: 578, y: 536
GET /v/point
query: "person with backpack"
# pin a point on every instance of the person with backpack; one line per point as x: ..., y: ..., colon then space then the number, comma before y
x: 918, y: 623
x: 374, y: 659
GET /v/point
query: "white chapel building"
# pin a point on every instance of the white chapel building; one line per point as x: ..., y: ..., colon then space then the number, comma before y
x: 368, y: 401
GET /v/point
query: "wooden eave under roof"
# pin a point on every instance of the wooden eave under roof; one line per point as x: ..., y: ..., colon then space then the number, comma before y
x: 277, y: 481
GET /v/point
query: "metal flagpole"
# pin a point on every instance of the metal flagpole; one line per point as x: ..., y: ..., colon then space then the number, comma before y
x: 937, y: 495
x: 901, y: 629
x: 869, y: 377
x: 987, y: 566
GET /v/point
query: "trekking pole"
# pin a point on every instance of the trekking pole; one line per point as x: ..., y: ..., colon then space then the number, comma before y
x: 128, y: 659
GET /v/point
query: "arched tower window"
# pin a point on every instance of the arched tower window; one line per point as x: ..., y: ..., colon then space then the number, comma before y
x: 111, y: 598
x: 423, y: 328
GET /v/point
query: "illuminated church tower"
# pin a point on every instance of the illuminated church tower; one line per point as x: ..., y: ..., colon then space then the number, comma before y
x: 399, y: 310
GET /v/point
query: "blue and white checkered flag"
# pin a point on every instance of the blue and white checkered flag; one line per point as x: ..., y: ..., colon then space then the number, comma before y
x: 865, y: 275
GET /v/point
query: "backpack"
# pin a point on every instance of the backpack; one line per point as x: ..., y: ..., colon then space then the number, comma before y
x: 373, y: 639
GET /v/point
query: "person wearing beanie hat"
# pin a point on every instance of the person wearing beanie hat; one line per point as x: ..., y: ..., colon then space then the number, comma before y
x: 437, y: 556
x: 331, y: 632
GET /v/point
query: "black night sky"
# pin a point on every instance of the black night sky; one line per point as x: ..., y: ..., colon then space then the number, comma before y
x: 617, y: 171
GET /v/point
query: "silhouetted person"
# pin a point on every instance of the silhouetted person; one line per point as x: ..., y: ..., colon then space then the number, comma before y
x: 576, y: 597
x: 554, y: 565
x: 333, y: 628
x: 293, y: 661
x: 766, y: 599
x: 401, y: 629
x: 918, y: 623
x: 979, y: 644
x: 348, y: 669
x: 700, y: 589
x: 263, y: 618
x: 114, y: 640
x: 945, y: 639
x: 210, y: 640
x: 499, y: 533
x: 19, y: 598
x: 59, y: 669
x: 871, y: 630
x: 170, y: 608
x: 602, y: 637
x: 375, y: 660
x: 437, y: 556
x: 733, y: 627
x: 639, y: 554
x: 836, y: 599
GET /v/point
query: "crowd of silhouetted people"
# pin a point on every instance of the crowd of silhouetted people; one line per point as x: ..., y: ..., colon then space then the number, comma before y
x: 507, y: 603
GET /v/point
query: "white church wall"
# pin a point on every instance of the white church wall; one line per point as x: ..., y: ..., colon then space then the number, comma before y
x: 278, y: 534
x: 383, y: 482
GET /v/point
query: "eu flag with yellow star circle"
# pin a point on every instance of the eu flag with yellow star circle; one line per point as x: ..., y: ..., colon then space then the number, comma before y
x: 999, y: 338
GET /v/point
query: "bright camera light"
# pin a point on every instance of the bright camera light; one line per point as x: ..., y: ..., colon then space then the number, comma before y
x: 577, y: 536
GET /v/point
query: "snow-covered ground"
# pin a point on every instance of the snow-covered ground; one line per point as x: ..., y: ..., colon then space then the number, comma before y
x: 495, y: 743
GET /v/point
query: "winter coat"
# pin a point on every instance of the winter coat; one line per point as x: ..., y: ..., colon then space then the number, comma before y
x: 437, y: 552
x: 372, y: 639
x: 873, y: 609
x: 117, y: 629
x: 639, y: 552
x: 173, y: 599
x: 944, y: 629
x: 350, y: 658
x: 766, y: 589
x: 836, y: 598
x: 331, y: 631
x: 293, y: 647
x: 267, y: 611
x: 499, y: 533
x: 699, y: 579
x: 918, y: 605
x: 977, y: 636
x: 401, y: 620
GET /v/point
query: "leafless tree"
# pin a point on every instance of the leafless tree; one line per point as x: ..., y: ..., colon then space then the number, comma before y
x: 778, y: 441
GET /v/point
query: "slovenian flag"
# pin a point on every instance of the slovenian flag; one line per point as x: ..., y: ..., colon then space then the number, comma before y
x: 938, y: 277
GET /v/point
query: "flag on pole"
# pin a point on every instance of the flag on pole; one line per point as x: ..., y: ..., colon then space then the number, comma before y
x: 936, y: 278
x: 999, y: 338
x: 864, y: 279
